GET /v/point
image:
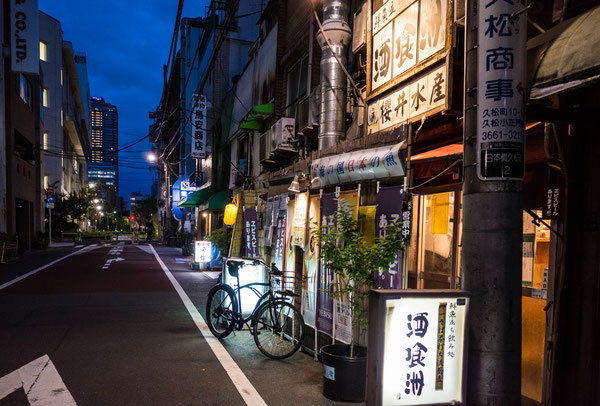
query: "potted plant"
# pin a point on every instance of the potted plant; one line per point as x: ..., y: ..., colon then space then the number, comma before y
x: 354, y: 261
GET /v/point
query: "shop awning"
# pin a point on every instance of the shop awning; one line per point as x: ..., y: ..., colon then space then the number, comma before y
x: 195, y: 198
x: 570, y: 59
x: 449, y: 151
x: 254, y: 119
x: 219, y: 200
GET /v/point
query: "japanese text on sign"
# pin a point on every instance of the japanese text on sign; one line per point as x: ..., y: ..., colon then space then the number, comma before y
x: 500, y: 110
x: 199, y: 127
x: 424, y: 349
x: 405, y: 33
x: 203, y: 251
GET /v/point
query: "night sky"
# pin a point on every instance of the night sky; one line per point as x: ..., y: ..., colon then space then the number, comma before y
x: 126, y: 43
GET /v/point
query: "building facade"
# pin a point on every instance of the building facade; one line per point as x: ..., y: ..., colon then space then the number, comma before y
x: 104, y: 162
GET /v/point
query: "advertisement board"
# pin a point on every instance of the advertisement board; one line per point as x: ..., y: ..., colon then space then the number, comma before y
x: 251, y: 232
x: 389, y: 209
x: 325, y: 277
x: 501, y: 90
x: 417, y: 347
x: 311, y: 264
x: 203, y: 251
x: 24, y: 36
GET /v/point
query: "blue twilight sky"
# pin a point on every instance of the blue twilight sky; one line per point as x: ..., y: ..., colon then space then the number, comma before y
x: 127, y: 44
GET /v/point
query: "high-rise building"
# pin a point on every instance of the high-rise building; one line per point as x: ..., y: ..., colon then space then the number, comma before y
x: 104, y: 165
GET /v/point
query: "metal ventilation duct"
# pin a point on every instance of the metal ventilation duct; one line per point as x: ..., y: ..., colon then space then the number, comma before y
x: 333, y: 79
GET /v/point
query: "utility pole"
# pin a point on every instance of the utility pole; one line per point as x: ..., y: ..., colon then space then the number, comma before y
x: 494, y: 136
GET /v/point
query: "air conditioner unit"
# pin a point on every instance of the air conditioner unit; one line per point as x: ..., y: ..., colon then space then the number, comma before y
x: 266, y: 145
x: 359, y: 33
x: 282, y: 133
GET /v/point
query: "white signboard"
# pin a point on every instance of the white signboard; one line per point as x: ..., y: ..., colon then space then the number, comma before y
x: 299, y: 225
x: 199, y: 127
x: 423, y: 351
x: 422, y: 96
x: 366, y: 164
x: 25, y: 36
x: 405, y: 33
x: 500, y: 90
x: 203, y: 251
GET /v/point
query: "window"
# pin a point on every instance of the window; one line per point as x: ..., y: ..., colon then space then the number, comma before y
x: 45, y: 100
x: 45, y: 140
x: 25, y: 89
x: 43, y: 51
x: 297, y: 77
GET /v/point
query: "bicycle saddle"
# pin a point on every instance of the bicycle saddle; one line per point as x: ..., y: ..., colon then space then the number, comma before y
x: 234, y: 266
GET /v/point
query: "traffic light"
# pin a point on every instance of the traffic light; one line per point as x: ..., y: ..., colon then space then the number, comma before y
x: 132, y: 218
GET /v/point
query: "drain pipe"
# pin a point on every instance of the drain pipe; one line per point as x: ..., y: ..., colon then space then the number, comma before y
x: 333, y: 78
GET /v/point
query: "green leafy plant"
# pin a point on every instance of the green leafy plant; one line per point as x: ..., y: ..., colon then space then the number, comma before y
x: 354, y: 261
x: 221, y: 239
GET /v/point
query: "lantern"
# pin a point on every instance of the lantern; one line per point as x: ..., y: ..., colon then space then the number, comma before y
x: 230, y: 214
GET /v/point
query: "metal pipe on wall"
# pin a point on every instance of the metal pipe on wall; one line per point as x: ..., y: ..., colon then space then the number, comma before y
x: 333, y: 78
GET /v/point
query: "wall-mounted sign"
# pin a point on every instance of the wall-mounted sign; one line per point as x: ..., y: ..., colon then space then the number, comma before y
x: 501, y: 90
x: 199, y: 127
x: 552, y: 203
x: 417, y: 347
x: 299, y: 225
x: 360, y: 165
x: 203, y: 251
x: 25, y: 36
x: 405, y: 33
x: 425, y: 95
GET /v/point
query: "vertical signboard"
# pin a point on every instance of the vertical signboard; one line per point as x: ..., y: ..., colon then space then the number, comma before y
x: 199, y: 127
x: 311, y: 264
x: 405, y: 33
x: 25, y: 36
x: 251, y: 231
x: 417, y: 347
x: 325, y: 278
x: 290, y: 252
x: 299, y: 226
x: 203, y: 251
x: 389, y: 209
x: 501, y: 90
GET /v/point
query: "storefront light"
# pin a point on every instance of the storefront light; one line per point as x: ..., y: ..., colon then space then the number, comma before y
x: 230, y: 214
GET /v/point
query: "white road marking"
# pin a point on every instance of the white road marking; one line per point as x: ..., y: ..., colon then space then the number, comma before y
x: 78, y: 246
x: 145, y: 248
x: 240, y: 381
x: 110, y: 261
x: 7, y: 284
x: 211, y: 275
x: 41, y: 382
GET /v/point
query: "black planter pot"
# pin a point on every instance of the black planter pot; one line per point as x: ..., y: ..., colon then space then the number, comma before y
x: 344, y: 377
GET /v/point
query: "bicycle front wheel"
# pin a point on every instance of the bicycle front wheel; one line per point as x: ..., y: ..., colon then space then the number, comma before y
x: 220, y: 309
x: 278, y: 329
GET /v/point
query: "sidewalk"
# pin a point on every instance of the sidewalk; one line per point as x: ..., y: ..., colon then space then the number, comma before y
x: 297, y: 380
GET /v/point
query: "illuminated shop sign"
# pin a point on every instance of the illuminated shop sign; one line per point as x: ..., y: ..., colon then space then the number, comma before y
x: 360, y: 165
x: 405, y: 33
x: 203, y: 251
x: 199, y: 127
x: 417, y: 344
x: 425, y: 95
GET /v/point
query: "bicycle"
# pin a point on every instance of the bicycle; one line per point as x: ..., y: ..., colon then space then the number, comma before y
x: 276, y: 324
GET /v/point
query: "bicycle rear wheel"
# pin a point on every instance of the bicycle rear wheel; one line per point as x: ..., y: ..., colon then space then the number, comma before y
x: 278, y: 329
x: 220, y: 309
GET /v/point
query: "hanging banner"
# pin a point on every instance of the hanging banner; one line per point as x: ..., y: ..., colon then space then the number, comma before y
x: 199, y: 127
x: 501, y: 90
x: 25, y: 36
x: 279, y: 243
x: 251, y: 231
x: 374, y: 163
x: 325, y: 278
x: 269, y: 221
x: 389, y: 208
x: 299, y: 227
x: 366, y: 223
x: 290, y: 252
x: 311, y: 265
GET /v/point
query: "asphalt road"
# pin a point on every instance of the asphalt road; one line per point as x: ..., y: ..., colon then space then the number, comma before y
x: 107, y: 325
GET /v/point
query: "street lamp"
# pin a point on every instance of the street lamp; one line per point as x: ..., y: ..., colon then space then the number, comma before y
x: 151, y: 157
x: 96, y: 201
x: 99, y: 208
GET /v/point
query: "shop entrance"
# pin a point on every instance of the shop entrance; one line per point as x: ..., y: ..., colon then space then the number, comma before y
x: 434, y: 255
